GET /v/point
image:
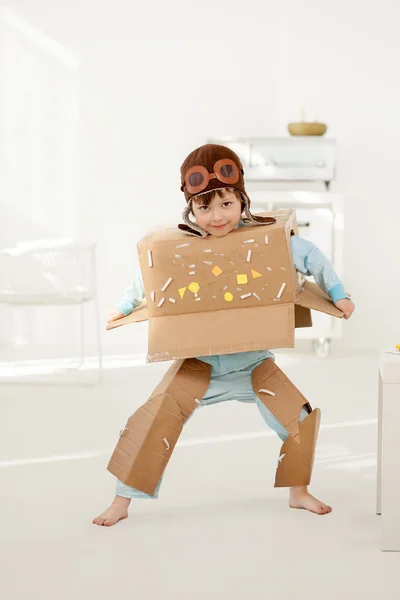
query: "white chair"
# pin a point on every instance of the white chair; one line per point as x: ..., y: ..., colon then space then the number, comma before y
x: 52, y: 273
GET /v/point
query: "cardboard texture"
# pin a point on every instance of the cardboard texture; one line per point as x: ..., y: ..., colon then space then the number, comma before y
x: 312, y: 297
x: 296, y: 461
x: 302, y: 316
x: 213, y: 295
x: 208, y: 296
x: 279, y: 395
x: 150, y: 435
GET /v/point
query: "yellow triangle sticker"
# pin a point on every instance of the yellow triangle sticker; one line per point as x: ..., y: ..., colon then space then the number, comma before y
x: 255, y: 274
x: 182, y: 292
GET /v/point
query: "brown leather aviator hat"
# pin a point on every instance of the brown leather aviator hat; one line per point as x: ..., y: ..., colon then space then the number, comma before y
x: 213, y: 167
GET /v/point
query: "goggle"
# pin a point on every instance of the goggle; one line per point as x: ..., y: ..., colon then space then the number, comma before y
x: 197, y: 178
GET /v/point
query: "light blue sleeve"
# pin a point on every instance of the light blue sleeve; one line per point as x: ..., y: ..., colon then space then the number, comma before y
x: 309, y: 260
x: 133, y: 295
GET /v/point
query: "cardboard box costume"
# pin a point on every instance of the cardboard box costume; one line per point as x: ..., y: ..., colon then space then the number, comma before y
x: 209, y: 296
x: 218, y: 295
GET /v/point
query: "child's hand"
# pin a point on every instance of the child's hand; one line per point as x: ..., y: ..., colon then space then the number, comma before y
x: 114, y: 314
x: 346, y: 306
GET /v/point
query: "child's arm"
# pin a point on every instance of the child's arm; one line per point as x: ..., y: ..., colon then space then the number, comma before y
x: 133, y: 297
x: 309, y: 260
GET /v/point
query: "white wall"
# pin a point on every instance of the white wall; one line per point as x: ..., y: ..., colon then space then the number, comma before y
x: 342, y: 59
x: 155, y: 80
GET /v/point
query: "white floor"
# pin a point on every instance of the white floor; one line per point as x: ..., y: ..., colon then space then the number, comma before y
x: 219, y: 530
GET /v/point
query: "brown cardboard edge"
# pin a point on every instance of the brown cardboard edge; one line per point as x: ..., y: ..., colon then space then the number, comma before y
x: 139, y: 314
x: 311, y: 296
x: 174, y: 348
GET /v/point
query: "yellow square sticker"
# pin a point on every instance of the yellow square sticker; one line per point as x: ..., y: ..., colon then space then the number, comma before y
x: 217, y: 271
x: 242, y: 278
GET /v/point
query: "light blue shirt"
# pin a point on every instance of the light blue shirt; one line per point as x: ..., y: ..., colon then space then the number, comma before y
x: 308, y: 260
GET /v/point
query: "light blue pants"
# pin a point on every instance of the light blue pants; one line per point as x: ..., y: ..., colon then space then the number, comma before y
x: 223, y: 388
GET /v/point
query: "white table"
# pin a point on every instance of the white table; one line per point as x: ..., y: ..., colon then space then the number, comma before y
x: 388, y: 475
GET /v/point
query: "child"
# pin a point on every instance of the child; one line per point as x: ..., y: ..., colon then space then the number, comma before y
x: 212, y: 180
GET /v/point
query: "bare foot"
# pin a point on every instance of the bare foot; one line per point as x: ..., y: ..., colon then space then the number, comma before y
x: 114, y: 513
x: 301, y: 498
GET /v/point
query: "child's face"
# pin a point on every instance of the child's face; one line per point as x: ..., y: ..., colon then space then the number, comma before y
x: 221, y: 216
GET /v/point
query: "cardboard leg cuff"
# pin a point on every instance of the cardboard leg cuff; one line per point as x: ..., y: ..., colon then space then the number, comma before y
x: 151, y: 433
x: 296, y: 460
x: 279, y: 395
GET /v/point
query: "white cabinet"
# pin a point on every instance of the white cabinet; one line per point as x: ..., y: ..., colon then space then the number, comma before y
x: 320, y: 220
x: 299, y: 158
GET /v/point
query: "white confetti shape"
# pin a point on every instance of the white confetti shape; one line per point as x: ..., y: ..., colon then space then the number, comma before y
x: 196, y: 400
x: 266, y: 239
x: 262, y: 391
x: 172, y: 300
x: 248, y: 256
x: 191, y: 266
x: 280, y: 459
x: 182, y: 245
x: 166, y: 284
x: 149, y: 258
x: 269, y: 269
x: 192, y: 272
x: 248, y: 242
x: 255, y: 295
x: 207, y: 262
x: 153, y: 296
x: 213, y: 296
x: 283, y: 268
x: 279, y: 294
x: 208, y: 250
x: 225, y: 287
x: 197, y: 299
x: 178, y: 256
x: 166, y: 443
x: 245, y: 296
x: 161, y: 302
